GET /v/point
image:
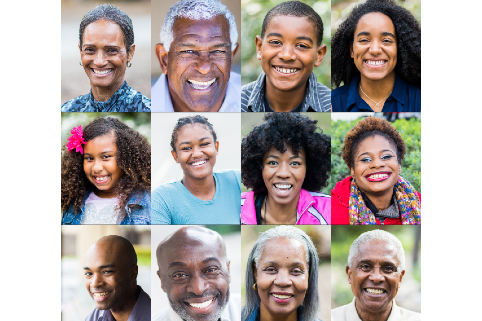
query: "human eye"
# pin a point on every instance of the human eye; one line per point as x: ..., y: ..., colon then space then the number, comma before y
x: 188, y: 53
x: 88, y: 158
x: 107, y: 272
x: 386, y: 157
x: 87, y: 274
x: 389, y: 269
x: 365, y: 267
x: 179, y: 275
x: 303, y: 46
x: 272, y: 163
x: 214, y: 270
x: 89, y: 50
x: 186, y: 148
x: 270, y: 269
x: 205, y: 144
x: 297, y: 271
x: 106, y: 157
x: 366, y: 160
x: 274, y: 42
x: 295, y: 163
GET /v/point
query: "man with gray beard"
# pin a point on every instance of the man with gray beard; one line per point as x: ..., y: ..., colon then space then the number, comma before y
x: 194, y: 273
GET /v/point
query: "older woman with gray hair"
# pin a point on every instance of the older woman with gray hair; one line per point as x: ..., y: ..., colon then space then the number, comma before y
x: 282, y: 277
x: 106, y: 44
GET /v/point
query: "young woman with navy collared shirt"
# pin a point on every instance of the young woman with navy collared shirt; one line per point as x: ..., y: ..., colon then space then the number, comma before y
x: 376, y: 55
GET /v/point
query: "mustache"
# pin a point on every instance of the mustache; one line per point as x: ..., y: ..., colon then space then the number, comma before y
x: 205, y: 294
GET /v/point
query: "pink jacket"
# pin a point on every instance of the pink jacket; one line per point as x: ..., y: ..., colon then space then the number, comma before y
x: 313, y: 208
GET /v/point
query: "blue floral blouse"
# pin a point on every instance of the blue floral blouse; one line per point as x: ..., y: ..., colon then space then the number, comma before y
x: 125, y: 99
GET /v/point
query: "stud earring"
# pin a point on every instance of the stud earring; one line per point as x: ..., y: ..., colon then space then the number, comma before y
x: 80, y: 63
x: 129, y: 64
x: 255, y: 287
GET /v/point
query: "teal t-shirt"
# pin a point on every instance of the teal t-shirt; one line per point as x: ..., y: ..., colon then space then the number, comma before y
x: 172, y: 203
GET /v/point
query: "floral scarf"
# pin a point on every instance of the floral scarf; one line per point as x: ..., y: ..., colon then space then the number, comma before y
x: 407, y: 200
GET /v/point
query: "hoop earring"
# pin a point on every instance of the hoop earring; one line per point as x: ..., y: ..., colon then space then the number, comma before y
x: 255, y: 287
x: 80, y: 63
x: 129, y: 64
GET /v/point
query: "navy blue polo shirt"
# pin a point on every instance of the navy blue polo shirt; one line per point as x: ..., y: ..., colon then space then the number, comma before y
x: 404, y: 98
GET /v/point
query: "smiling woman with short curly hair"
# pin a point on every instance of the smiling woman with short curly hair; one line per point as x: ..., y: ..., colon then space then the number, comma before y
x: 376, y: 55
x: 285, y: 161
x: 375, y: 193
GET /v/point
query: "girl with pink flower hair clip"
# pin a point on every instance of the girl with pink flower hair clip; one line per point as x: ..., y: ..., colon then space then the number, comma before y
x: 106, y: 175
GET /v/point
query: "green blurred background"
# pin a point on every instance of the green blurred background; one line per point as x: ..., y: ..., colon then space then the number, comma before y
x: 252, y: 16
x: 250, y: 120
x: 409, y: 129
x: 409, y: 294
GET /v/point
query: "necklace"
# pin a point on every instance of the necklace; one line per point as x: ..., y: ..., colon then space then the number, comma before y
x: 378, y: 104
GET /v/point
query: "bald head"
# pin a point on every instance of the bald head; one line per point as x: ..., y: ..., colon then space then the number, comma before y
x: 115, y: 245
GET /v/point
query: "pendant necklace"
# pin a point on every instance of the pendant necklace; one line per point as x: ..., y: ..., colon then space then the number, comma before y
x: 378, y: 104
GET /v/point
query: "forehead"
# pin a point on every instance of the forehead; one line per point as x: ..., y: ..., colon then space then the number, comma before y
x: 375, y: 22
x: 103, y: 253
x: 283, y: 249
x: 196, y: 130
x: 101, y: 143
x: 200, y: 31
x: 288, y: 153
x: 291, y: 26
x: 377, y: 251
x: 103, y: 31
x: 374, y: 144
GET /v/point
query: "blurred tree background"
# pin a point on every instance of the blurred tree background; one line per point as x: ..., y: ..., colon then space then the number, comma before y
x: 252, y: 16
x: 140, y: 122
x: 250, y: 120
x: 321, y: 237
x: 409, y: 129
x: 409, y: 294
x: 340, y: 9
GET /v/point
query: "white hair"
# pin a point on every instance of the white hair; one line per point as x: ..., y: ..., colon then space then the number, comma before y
x: 378, y: 235
x: 197, y: 10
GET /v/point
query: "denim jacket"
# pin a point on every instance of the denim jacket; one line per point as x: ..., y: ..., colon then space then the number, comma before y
x: 138, y: 209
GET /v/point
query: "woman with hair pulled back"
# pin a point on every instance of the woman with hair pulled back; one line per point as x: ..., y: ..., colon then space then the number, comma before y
x: 282, y: 277
x: 202, y: 196
x: 106, y: 175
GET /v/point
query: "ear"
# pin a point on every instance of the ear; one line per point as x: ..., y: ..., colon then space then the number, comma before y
x: 162, y: 285
x: 134, y: 272
x: 401, y: 277
x: 228, y: 263
x: 352, y: 172
x: 348, y: 273
x: 351, y: 51
x: 217, y: 147
x: 131, y: 52
x: 174, y: 155
x: 399, y: 169
x: 161, y: 54
x: 320, y: 53
x: 80, y: 49
x: 233, y: 52
x: 259, y: 45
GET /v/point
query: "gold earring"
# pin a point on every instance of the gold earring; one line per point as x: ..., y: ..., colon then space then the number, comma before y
x: 255, y: 287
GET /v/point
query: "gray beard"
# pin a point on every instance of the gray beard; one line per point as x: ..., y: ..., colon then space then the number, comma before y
x: 179, y: 309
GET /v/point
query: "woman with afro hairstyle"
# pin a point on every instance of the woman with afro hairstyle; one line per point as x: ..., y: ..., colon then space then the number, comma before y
x: 376, y: 55
x: 106, y: 175
x: 285, y: 161
x: 202, y: 196
x: 375, y: 193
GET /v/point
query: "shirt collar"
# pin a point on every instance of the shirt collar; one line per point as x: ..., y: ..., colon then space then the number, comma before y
x: 304, y: 202
x: 395, y: 314
x: 104, y: 105
x: 256, y: 99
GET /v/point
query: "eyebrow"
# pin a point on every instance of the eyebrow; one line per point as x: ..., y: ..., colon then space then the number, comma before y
x: 174, y: 264
x: 188, y: 142
x: 384, y: 33
x: 384, y: 150
x: 211, y: 259
x: 277, y: 157
x: 103, y: 152
x: 382, y: 262
x: 100, y: 267
x: 193, y: 45
x: 274, y: 34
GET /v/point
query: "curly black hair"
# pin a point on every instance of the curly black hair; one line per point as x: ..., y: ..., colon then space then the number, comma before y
x: 409, y: 39
x: 370, y: 127
x: 133, y: 158
x: 296, y: 9
x: 111, y: 13
x: 189, y: 120
x: 297, y: 131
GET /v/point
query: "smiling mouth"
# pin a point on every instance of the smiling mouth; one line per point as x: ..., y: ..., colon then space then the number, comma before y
x: 101, y: 179
x: 281, y: 296
x: 201, y: 84
x: 198, y: 163
x: 375, y: 291
x: 101, y: 294
x: 283, y: 188
x: 201, y: 305
x: 375, y: 63
x: 378, y: 177
x: 286, y: 71
x: 101, y: 72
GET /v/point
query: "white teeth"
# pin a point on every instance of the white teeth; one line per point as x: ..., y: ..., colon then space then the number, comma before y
x: 201, y: 305
x: 279, y: 186
x: 199, y: 163
x: 378, y: 176
x: 285, y: 71
x: 374, y: 291
x: 101, y: 179
x: 101, y: 72
x: 279, y: 296
x: 201, y: 84
x: 99, y: 295
x: 375, y: 62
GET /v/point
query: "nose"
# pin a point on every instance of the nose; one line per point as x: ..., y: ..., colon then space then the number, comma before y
x: 286, y: 53
x: 198, y: 285
x: 96, y: 281
x: 376, y: 276
x: 204, y: 64
x: 99, y: 59
x: 97, y: 166
x: 197, y: 152
x: 375, y: 48
x: 283, y: 170
x: 283, y: 279
x: 377, y: 163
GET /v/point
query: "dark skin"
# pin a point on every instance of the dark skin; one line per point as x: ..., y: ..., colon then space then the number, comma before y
x: 111, y: 268
x: 193, y: 269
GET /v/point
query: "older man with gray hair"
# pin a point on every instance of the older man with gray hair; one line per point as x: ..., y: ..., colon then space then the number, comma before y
x: 198, y: 43
x: 376, y: 266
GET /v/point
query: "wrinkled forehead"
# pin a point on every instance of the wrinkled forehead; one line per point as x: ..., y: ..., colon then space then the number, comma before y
x: 201, y: 30
x: 378, y: 251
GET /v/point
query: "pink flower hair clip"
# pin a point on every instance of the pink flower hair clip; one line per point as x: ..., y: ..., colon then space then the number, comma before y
x: 76, y: 140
